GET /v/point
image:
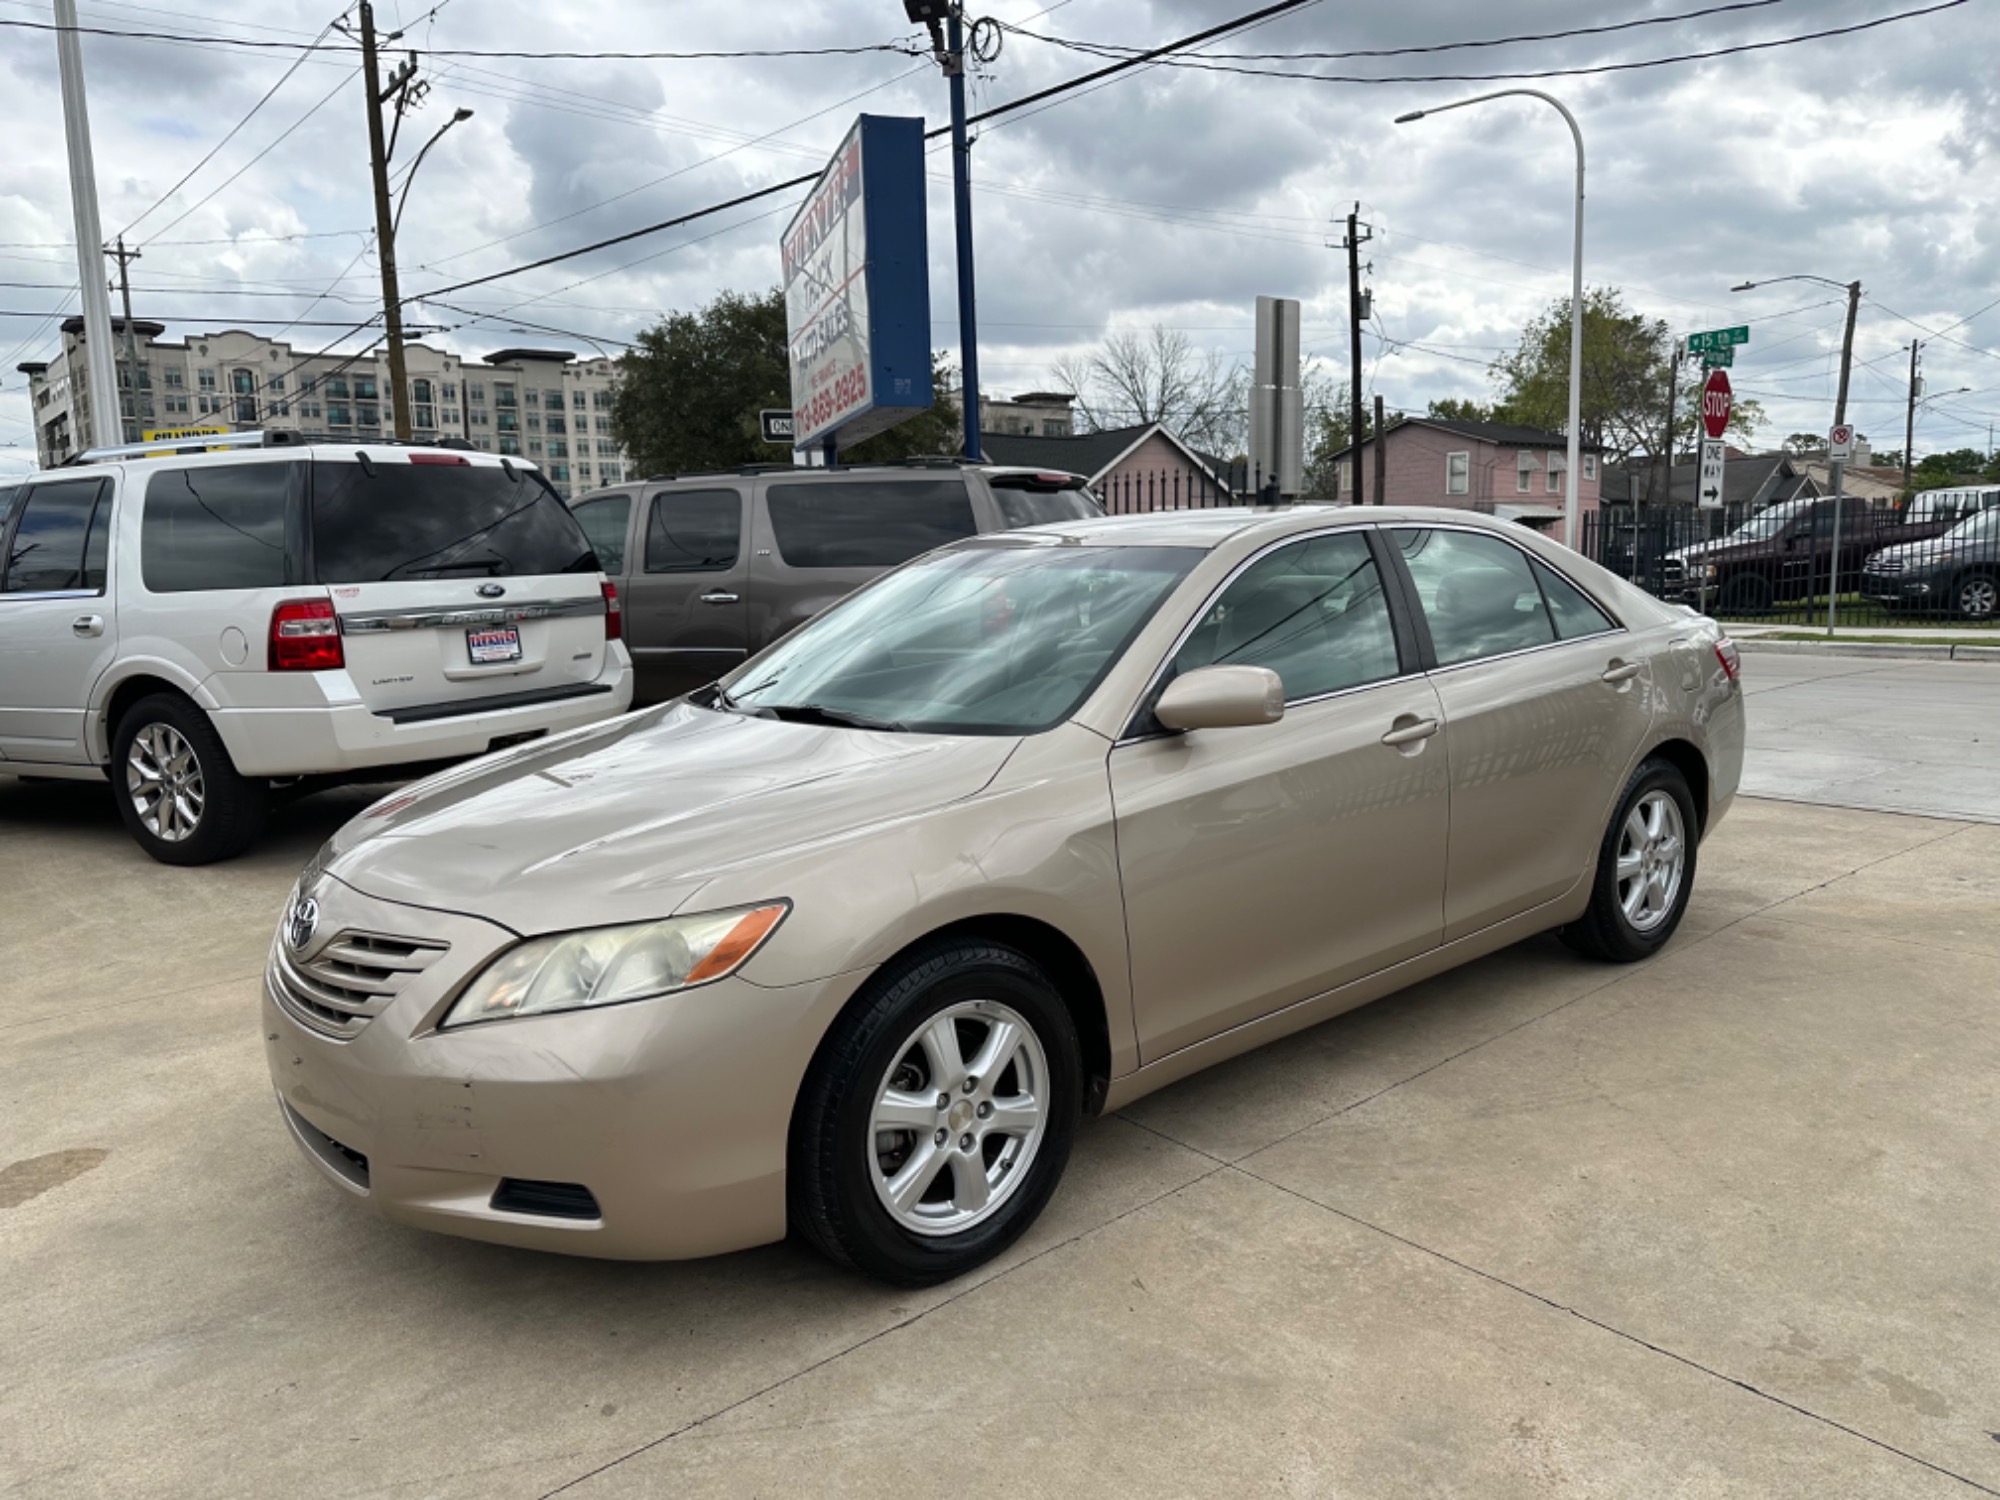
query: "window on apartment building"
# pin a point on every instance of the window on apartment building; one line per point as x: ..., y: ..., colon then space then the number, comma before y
x: 511, y: 445
x: 557, y: 423
x: 337, y: 413
x: 613, y: 473
x: 559, y: 473
x: 246, y: 410
x: 448, y: 390
x: 242, y: 382
x: 205, y: 404
x: 532, y: 422
x: 424, y: 412
x: 602, y: 399
x: 531, y: 398
x: 367, y: 415
x: 483, y: 444
x: 603, y: 424
x: 558, y: 448
x: 309, y: 410
x: 281, y: 408
x: 506, y: 421
x: 478, y: 419
x: 364, y: 388
x: 277, y: 385
x: 177, y: 405
x: 336, y: 387
x: 1458, y: 473
x: 175, y: 377
x: 503, y: 395
x: 1052, y: 428
x: 307, y: 385
x: 534, y: 447
x: 553, y: 400
x: 475, y: 392
x: 205, y: 379
x: 606, y: 450
x: 578, y: 400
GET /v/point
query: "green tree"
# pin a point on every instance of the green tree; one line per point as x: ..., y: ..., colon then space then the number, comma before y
x: 1458, y: 409
x: 1328, y: 418
x: 689, y: 394
x: 1936, y: 471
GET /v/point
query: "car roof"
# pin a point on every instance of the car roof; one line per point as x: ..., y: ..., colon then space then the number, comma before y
x: 381, y: 452
x: 1211, y: 527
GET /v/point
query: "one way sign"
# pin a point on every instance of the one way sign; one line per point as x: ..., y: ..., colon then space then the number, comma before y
x: 1708, y: 491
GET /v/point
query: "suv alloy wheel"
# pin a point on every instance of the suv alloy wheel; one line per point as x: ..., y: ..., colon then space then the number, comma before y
x: 177, y: 789
x: 1976, y: 596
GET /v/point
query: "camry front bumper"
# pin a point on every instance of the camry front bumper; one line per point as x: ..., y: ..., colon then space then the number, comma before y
x: 651, y: 1130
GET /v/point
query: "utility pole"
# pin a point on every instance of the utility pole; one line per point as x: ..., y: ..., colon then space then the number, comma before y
x: 1381, y: 456
x: 125, y: 258
x: 1354, y: 242
x: 106, y: 426
x: 1910, y: 416
x: 385, y: 226
x: 961, y: 192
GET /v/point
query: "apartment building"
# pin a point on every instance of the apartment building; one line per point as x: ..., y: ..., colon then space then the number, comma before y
x: 546, y: 405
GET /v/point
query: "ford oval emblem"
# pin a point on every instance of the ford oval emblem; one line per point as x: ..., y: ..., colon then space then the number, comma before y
x: 491, y: 590
x: 301, y: 922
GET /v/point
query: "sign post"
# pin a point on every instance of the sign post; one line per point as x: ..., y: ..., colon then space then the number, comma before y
x: 1716, y: 401
x: 777, y: 425
x: 1708, y: 489
x: 1840, y: 441
x: 1718, y: 339
x: 1839, y: 448
x: 857, y: 289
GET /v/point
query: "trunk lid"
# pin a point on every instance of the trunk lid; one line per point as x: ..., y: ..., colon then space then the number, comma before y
x: 455, y: 577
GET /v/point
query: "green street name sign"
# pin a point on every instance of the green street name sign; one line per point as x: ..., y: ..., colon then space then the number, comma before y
x: 1718, y: 359
x: 1717, y: 338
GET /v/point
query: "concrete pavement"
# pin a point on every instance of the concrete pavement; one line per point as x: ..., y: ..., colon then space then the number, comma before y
x: 1721, y: 1224
x: 1895, y: 736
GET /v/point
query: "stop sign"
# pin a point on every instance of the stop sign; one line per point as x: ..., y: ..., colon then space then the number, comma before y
x: 1715, y: 403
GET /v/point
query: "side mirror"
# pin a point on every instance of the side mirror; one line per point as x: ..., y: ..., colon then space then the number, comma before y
x: 1222, y: 698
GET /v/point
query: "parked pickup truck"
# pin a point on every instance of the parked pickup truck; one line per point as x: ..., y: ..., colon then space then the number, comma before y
x: 1784, y: 554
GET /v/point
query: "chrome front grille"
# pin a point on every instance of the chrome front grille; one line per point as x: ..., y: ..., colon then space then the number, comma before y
x: 1883, y: 565
x: 1673, y: 572
x: 349, y: 980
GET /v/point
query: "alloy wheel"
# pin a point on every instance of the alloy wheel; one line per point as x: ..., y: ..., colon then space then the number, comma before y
x: 958, y: 1118
x: 1652, y: 854
x: 1978, y: 598
x: 163, y: 778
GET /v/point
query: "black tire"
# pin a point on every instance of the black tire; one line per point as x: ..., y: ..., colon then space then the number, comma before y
x: 1975, y: 596
x: 232, y: 806
x: 1605, y: 931
x: 1746, y: 594
x: 834, y: 1161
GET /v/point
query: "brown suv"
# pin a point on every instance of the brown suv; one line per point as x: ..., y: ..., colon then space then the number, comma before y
x: 711, y: 568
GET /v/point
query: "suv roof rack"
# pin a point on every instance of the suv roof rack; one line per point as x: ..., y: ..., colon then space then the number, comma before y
x: 195, y: 443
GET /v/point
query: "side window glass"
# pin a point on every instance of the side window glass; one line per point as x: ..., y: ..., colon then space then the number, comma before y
x: 1479, y: 596
x: 219, y: 527
x: 46, y: 552
x: 694, y: 531
x: 1575, y: 614
x: 1312, y: 612
x: 604, y: 522
x: 867, y: 523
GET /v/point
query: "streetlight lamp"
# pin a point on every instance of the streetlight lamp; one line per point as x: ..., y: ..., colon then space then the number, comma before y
x: 1836, y: 466
x: 458, y: 118
x: 1572, y: 506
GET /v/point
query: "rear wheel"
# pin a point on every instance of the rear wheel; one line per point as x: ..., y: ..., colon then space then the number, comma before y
x: 1645, y: 869
x: 1976, y: 596
x: 1746, y: 595
x: 178, y: 791
x: 937, y: 1118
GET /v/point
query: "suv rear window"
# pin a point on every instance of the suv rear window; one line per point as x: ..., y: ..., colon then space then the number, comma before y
x: 388, y: 520
x: 867, y: 523
x: 215, y: 526
x: 1021, y: 506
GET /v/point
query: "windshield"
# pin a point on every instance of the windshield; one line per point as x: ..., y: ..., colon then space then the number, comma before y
x: 977, y: 640
x: 1769, y: 522
x: 1984, y: 527
x: 385, y: 520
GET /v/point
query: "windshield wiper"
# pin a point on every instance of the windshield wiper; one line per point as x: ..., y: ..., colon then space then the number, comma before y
x: 813, y: 713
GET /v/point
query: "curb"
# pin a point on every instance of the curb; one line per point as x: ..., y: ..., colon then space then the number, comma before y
x: 1915, y: 651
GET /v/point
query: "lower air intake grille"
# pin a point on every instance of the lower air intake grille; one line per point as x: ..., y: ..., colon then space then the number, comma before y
x: 549, y: 1200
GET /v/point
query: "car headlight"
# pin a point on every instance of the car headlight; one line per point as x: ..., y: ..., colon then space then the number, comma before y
x: 610, y: 965
x: 1708, y: 572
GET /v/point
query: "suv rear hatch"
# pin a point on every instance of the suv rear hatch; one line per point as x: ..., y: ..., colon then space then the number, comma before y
x: 457, y: 579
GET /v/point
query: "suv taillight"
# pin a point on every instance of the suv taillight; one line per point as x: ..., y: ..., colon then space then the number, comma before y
x: 614, y: 617
x: 305, y: 637
x: 1731, y: 659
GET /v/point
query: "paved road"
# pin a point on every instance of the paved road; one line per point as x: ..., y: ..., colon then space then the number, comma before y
x: 1891, y: 735
x: 1720, y: 1224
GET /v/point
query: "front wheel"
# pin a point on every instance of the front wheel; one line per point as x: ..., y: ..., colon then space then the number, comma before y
x: 937, y: 1118
x: 178, y: 791
x: 1645, y: 869
x: 1746, y: 595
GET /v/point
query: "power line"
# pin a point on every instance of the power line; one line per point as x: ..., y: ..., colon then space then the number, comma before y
x: 1576, y: 72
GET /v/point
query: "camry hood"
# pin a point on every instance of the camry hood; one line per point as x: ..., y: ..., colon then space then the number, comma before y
x: 625, y: 821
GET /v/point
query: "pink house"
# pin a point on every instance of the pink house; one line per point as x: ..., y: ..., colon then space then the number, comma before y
x: 1494, y: 467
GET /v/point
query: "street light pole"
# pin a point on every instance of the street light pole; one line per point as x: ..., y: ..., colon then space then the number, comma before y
x: 1572, y: 503
x: 961, y: 188
x: 107, y: 427
x: 396, y: 220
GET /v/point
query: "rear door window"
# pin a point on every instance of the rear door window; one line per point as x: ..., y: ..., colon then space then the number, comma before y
x: 215, y: 527
x: 46, y: 553
x: 867, y: 523
x: 604, y: 522
x: 1478, y: 595
x: 694, y: 531
x: 388, y: 520
x: 1574, y: 612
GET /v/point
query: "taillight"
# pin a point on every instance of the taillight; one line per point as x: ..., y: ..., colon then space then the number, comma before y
x: 305, y: 637
x: 1730, y: 657
x: 614, y: 617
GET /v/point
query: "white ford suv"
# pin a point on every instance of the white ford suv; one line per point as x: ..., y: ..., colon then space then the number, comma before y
x: 205, y: 626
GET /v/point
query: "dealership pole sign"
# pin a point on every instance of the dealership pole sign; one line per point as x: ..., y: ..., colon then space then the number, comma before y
x: 857, y: 288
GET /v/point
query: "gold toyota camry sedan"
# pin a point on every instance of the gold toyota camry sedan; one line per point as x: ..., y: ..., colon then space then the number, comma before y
x: 845, y: 944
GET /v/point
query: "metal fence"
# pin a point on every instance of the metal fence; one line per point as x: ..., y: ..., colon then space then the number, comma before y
x: 1780, y: 565
x: 1129, y: 491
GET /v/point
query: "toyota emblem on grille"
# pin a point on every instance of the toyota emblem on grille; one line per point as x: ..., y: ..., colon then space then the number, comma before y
x: 301, y: 922
x: 491, y: 590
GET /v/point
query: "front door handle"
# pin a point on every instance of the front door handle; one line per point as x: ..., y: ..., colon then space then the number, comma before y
x: 1408, y: 733
x: 88, y: 625
x: 1623, y: 671
x: 718, y: 598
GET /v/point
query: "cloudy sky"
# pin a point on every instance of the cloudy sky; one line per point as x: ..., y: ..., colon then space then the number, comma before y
x: 1171, y: 196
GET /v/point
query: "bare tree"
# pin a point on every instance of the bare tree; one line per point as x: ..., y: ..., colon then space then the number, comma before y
x: 1160, y: 377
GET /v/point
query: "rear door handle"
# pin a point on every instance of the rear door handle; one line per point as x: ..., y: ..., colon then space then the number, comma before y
x: 1409, y: 734
x: 88, y: 625
x: 718, y: 598
x: 1623, y: 671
